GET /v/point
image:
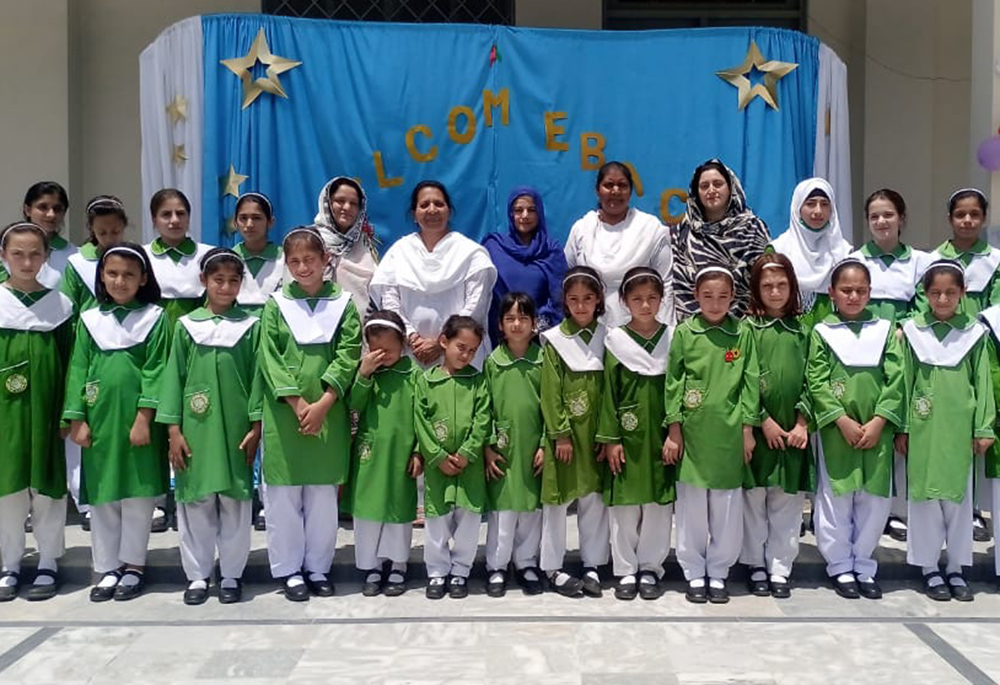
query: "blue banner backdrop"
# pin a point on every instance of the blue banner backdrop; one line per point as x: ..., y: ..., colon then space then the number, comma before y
x: 485, y: 108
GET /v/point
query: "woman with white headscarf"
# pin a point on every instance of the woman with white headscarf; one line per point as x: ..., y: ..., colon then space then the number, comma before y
x: 342, y: 221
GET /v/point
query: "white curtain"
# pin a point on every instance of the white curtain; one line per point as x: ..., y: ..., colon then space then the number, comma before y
x: 833, y: 146
x: 169, y: 67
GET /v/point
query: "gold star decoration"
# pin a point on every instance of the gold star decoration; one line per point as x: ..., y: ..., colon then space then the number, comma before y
x: 232, y: 181
x: 773, y: 71
x: 259, y: 52
x: 177, y: 110
x: 179, y: 155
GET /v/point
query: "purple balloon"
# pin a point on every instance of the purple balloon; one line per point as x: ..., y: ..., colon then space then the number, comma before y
x: 988, y: 154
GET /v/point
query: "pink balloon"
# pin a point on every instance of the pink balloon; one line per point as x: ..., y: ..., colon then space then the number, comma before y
x: 988, y: 154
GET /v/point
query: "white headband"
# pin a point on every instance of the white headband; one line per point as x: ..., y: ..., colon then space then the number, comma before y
x: 311, y: 231
x: 947, y: 264
x: 773, y: 265
x: 124, y: 248
x: 257, y: 196
x: 977, y: 191
x: 104, y: 202
x: 22, y: 224
x: 386, y: 323
x: 220, y: 255
x: 645, y: 274
x: 714, y: 270
x: 584, y: 274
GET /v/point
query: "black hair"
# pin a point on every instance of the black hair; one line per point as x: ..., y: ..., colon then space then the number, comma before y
x: 41, y: 188
x: 846, y: 264
x: 385, y: 315
x: 589, y: 278
x: 944, y: 266
x: 640, y: 275
x: 219, y: 256
x: 303, y: 234
x: 24, y: 227
x: 262, y: 200
x: 523, y: 301
x: 696, y: 179
x: 967, y: 193
x: 783, y: 265
x: 148, y: 293
x: 164, y: 194
x: 608, y: 167
x: 104, y: 205
x: 714, y: 275
x: 345, y: 181
x: 456, y: 323
x: 437, y: 185
x: 890, y: 196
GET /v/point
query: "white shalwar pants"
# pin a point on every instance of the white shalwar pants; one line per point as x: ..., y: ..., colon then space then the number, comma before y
x: 461, y: 528
x: 771, y: 522
x: 74, y: 459
x: 301, y: 528
x: 899, y: 487
x: 933, y: 523
x: 709, y: 530
x: 119, y: 533
x: 513, y: 535
x: 848, y: 527
x: 994, y: 485
x: 640, y: 538
x: 592, y: 528
x: 215, y: 521
x: 375, y: 542
x: 48, y: 523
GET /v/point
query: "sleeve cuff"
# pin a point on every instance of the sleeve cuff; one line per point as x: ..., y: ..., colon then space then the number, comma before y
x: 828, y: 418
x: 148, y: 403
x: 256, y: 416
x: 469, y: 454
x: 288, y: 391
x: 672, y: 418
x: 170, y: 419
x: 335, y: 384
x: 73, y: 415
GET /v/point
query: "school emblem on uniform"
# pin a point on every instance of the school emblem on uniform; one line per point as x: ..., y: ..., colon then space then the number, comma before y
x: 364, y: 452
x: 838, y: 389
x: 732, y: 355
x: 16, y: 383
x: 199, y: 403
x: 441, y: 431
x: 503, y: 438
x: 693, y: 398
x: 629, y: 420
x: 922, y: 406
x: 90, y: 392
x: 578, y: 405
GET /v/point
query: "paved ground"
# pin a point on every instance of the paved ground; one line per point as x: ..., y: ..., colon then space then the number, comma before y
x: 814, y: 637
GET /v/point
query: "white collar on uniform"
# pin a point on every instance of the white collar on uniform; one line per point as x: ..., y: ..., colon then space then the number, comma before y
x: 46, y: 314
x: 218, y: 331
x: 948, y: 352
x: 256, y: 289
x: 312, y: 326
x: 862, y: 350
x: 578, y: 355
x: 634, y: 356
x: 86, y: 269
x: 180, y: 280
x: 979, y: 271
x: 110, y: 334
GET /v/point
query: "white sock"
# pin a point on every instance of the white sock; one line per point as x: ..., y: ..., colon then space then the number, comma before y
x: 229, y: 584
x: 457, y: 580
x: 648, y: 579
x: 436, y: 581
x: 775, y: 578
x: 865, y: 579
x: 317, y: 577
x: 159, y: 513
x: 109, y: 580
x: 399, y: 566
x: 560, y: 578
x: 396, y: 576
x: 130, y: 579
x: 696, y: 582
x: 627, y: 580
x: 758, y: 575
x: 898, y: 524
x: 42, y: 580
x: 530, y: 575
x: 197, y: 585
x: 592, y: 574
x: 373, y: 577
x: 845, y: 578
x: 8, y: 581
x: 716, y: 583
x: 295, y: 581
x: 957, y: 581
x: 496, y: 577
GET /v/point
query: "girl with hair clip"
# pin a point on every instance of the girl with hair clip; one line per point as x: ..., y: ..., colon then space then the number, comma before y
x: 572, y: 387
x: 45, y: 205
x: 641, y: 491
x: 342, y: 221
x: 36, y: 330
x: 712, y: 404
x: 112, y: 391
x: 254, y: 218
x: 382, y: 487
x: 949, y: 418
x: 211, y: 403
x: 782, y: 469
x: 856, y: 383
x: 310, y: 347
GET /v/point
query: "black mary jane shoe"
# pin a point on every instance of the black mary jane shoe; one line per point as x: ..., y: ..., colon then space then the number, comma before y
x: 591, y: 582
x: 103, y: 594
x: 870, y: 589
x: 372, y: 588
x: 497, y: 587
x: 39, y: 593
x: 627, y: 591
x: 320, y: 588
x: 529, y: 586
x: 436, y: 588
x: 193, y: 596
x: 395, y: 584
x: 696, y: 595
x: 9, y: 592
x: 458, y: 587
x: 758, y: 588
x: 980, y: 529
x: 896, y: 532
x: 297, y: 593
x: 938, y: 592
x: 718, y: 595
x: 124, y: 593
x: 960, y: 593
x: 848, y: 589
x: 231, y: 595
x: 781, y: 590
x: 571, y: 587
x: 650, y: 589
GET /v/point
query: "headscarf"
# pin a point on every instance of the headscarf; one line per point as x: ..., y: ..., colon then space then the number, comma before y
x: 511, y: 257
x: 340, y: 243
x: 813, y: 253
x: 734, y: 241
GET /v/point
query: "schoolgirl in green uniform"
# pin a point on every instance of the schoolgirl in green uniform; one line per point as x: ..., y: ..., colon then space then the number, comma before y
x: 516, y: 451
x: 572, y: 387
x: 452, y: 419
x: 112, y: 391
x: 950, y: 413
x: 991, y: 467
x: 45, y: 205
x: 712, y: 404
x: 855, y: 379
x: 36, y: 330
x: 382, y: 488
x: 782, y: 469
x: 311, y: 344
x: 211, y: 402
x: 641, y: 490
x: 253, y: 219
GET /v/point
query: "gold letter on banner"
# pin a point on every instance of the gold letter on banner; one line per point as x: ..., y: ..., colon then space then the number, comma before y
x: 412, y: 147
x: 470, y: 124
x: 552, y: 130
x: 591, y: 151
x: 636, y: 179
x: 383, y: 180
x: 490, y: 101
x: 665, y: 197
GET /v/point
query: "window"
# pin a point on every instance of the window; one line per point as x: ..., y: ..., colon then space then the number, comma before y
x: 677, y: 14
x: 419, y: 11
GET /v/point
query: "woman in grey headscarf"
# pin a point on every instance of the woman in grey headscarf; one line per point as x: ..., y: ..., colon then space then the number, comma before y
x: 342, y: 220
